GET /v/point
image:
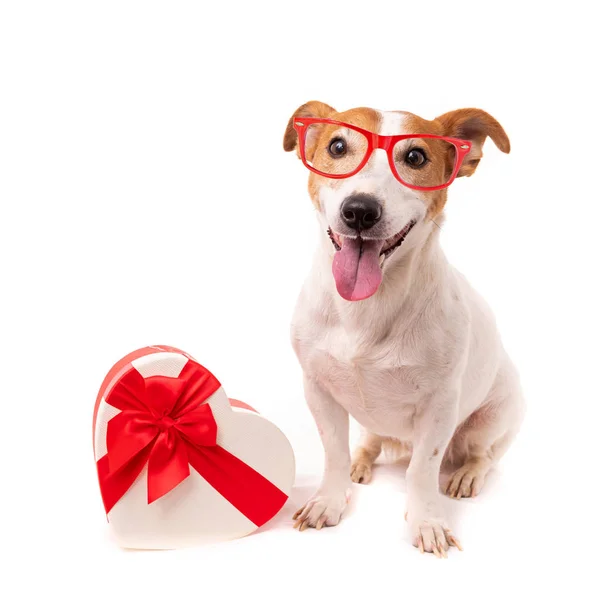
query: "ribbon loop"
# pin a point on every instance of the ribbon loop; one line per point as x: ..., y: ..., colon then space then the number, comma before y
x: 159, y: 417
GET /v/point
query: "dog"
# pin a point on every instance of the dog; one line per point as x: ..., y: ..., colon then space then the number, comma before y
x: 385, y: 330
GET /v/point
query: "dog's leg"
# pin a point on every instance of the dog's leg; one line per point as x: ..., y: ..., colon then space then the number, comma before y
x: 434, y: 427
x: 484, y: 437
x: 328, y: 504
x: 363, y: 457
x: 482, y: 442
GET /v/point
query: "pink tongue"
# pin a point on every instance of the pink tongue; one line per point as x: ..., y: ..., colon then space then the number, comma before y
x: 356, y: 268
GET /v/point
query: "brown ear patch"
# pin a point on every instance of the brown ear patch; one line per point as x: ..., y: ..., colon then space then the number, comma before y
x: 314, y: 108
x: 475, y: 125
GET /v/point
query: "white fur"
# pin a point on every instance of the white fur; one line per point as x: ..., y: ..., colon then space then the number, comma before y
x: 420, y: 362
x: 392, y: 123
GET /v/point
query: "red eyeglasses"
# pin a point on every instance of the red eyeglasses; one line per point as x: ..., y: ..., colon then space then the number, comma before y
x: 419, y: 161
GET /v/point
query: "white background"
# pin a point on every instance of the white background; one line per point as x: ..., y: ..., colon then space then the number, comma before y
x: 146, y: 199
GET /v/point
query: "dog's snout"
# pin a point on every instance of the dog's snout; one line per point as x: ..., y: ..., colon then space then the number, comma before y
x: 360, y: 211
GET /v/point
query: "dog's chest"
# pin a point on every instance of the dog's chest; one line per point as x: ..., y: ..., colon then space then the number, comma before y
x: 379, y: 385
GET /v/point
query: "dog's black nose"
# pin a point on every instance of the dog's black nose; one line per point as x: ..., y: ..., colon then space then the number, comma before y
x: 360, y: 211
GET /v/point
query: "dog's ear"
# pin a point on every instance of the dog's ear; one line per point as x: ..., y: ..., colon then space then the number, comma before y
x: 474, y: 125
x: 314, y: 108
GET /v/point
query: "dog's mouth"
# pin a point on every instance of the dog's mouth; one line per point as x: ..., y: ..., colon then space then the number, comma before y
x: 358, y: 261
x: 388, y: 247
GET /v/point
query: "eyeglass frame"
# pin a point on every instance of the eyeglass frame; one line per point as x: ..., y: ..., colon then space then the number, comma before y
x: 383, y: 142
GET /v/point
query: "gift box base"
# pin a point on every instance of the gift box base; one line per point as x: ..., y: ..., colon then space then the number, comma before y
x: 194, y: 512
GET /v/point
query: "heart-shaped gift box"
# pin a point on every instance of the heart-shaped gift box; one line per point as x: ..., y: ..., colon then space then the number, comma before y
x: 178, y: 462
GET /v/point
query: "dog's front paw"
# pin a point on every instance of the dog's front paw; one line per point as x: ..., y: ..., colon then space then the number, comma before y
x: 320, y: 510
x: 432, y: 534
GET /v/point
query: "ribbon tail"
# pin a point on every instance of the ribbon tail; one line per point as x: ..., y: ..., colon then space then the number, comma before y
x: 114, y: 484
x: 243, y: 487
x: 168, y: 465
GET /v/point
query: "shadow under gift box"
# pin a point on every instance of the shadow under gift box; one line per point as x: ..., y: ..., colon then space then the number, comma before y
x: 178, y: 462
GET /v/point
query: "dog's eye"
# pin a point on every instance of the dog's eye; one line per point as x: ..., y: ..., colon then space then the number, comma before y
x: 337, y: 147
x: 415, y: 157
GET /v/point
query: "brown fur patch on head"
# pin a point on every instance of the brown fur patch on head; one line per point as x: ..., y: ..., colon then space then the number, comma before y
x: 443, y: 159
x: 366, y: 118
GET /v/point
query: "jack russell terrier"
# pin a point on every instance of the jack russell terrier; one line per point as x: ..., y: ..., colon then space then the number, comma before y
x: 397, y: 337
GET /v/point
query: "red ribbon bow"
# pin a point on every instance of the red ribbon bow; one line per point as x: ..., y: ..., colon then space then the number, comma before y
x: 166, y: 423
